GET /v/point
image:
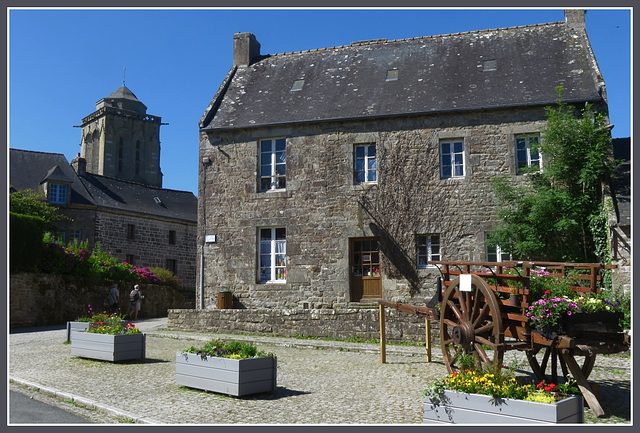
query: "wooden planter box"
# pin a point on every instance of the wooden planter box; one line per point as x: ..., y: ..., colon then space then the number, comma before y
x: 603, y: 322
x: 462, y: 408
x: 108, y: 347
x: 81, y: 327
x: 235, y: 377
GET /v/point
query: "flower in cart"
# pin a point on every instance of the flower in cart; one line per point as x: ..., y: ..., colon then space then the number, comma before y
x: 546, y: 313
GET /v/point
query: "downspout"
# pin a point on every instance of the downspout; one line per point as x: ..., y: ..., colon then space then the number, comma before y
x: 202, y: 277
x: 203, y: 232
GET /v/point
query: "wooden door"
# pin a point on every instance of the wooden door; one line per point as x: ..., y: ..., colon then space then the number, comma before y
x: 364, y: 264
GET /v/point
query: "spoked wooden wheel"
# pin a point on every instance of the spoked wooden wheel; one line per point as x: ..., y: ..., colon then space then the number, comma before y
x: 471, y: 327
x: 545, y: 360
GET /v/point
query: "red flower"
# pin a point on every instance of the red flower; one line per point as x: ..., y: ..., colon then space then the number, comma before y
x: 550, y: 388
x: 540, y: 385
x: 546, y: 292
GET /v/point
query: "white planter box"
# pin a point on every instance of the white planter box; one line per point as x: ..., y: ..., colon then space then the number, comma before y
x: 235, y: 377
x: 81, y: 326
x: 462, y: 408
x: 108, y: 347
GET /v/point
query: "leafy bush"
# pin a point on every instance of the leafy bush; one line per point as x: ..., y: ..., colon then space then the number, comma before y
x: 231, y: 349
x: 25, y: 241
x: 76, y: 259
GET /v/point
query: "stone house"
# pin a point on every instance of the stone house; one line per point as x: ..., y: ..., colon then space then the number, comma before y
x: 620, y: 221
x: 112, y: 190
x: 332, y: 177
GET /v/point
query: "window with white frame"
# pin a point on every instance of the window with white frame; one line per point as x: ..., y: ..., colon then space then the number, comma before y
x: 365, y: 168
x: 525, y: 156
x: 273, y: 255
x: 495, y: 253
x: 428, y: 249
x: 273, y: 164
x: 452, y: 158
x: 58, y: 193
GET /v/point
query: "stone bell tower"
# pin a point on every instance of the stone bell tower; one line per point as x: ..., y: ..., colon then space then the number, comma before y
x: 121, y: 140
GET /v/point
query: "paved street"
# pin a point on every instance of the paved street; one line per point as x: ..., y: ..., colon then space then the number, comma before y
x: 319, y: 382
x: 26, y: 408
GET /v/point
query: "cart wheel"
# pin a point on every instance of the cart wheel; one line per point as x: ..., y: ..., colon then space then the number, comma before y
x: 471, y: 327
x: 545, y: 360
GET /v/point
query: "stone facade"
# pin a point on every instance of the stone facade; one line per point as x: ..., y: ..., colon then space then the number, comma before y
x: 121, y: 140
x: 362, y: 323
x: 321, y: 208
x: 152, y: 245
x: 43, y: 299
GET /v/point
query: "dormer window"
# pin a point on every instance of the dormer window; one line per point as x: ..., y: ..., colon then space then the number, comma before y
x: 58, y: 193
x: 297, y: 85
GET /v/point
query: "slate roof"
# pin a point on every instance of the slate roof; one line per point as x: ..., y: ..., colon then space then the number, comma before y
x: 108, y: 192
x: 28, y: 168
x: 485, y: 69
x: 124, y: 93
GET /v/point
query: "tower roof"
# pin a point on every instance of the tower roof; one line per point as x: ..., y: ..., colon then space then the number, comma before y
x: 123, y: 98
x: 124, y: 93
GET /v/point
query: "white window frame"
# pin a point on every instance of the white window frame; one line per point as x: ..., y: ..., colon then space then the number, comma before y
x: 58, y: 193
x: 497, y: 253
x: 272, y: 255
x: 453, y: 157
x: 369, y: 164
x: 270, y: 162
x: 531, y: 160
x: 425, y: 249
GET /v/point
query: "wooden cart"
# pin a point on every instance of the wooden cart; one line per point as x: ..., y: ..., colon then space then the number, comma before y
x: 479, y: 318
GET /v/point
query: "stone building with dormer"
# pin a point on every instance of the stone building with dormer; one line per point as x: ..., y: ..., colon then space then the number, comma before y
x: 332, y: 177
x: 112, y: 191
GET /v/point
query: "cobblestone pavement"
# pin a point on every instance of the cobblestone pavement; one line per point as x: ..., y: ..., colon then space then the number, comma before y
x: 319, y: 382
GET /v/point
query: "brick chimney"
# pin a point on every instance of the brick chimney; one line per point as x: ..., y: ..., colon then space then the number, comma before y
x: 575, y: 18
x: 79, y: 164
x: 246, y: 49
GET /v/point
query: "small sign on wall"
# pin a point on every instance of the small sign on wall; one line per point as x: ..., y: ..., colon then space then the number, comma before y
x: 465, y: 282
x: 210, y: 239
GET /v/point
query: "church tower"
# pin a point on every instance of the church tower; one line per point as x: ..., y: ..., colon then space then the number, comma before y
x: 121, y: 140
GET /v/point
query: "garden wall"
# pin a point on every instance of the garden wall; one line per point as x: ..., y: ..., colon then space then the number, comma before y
x: 331, y: 323
x: 45, y: 299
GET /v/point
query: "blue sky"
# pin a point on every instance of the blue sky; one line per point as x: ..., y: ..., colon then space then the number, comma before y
x: 62, y: 61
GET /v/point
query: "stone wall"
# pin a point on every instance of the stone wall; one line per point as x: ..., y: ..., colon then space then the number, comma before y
x: 150, y: 245
x: 321, y: 206
x: 43, y: 299
x: 347, y: 323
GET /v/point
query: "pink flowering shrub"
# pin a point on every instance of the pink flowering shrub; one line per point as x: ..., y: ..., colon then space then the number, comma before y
x: 76, y: 259
x: 546, y: 313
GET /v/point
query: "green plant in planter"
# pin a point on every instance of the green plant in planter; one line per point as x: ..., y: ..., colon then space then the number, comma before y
x: 112, y: 326
x: 499, y: 384
x: 230, y: 349
x: 100, y: 317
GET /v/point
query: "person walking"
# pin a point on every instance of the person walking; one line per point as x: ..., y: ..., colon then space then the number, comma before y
x: 114, y: 298
x: 135, y: 298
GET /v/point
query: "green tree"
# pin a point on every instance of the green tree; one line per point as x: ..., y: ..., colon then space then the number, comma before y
x: 559, y: 214
x: 30, y: 219
x: 29, y: 202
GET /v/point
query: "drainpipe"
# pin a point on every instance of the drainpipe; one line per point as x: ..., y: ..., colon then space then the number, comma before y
x: 205, y: 161
x: 202, y: 278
